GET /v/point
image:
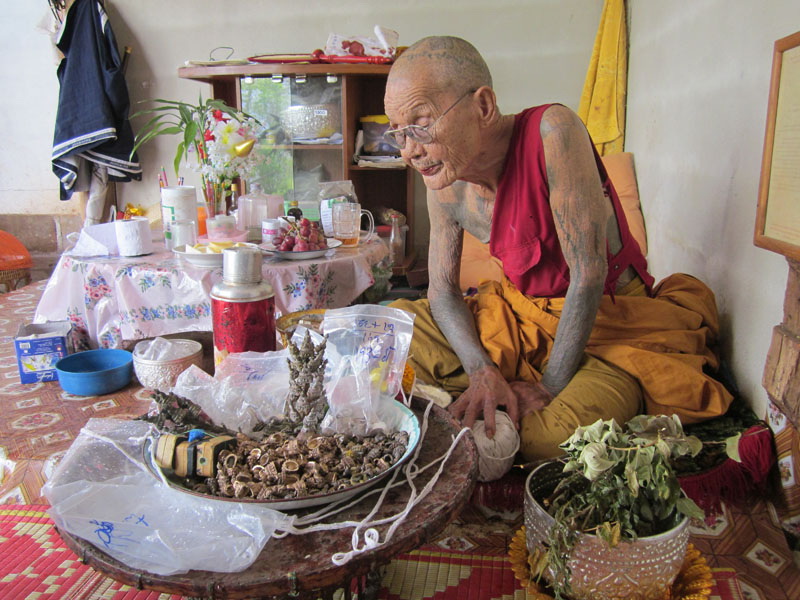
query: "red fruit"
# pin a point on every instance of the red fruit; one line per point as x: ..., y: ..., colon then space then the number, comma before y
x: 305, y: 222
x: 313, y: 246
x: 301, y: 246
x: 305, y: 232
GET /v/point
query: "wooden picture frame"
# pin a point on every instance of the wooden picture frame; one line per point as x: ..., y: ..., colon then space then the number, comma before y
x: 778, y: 214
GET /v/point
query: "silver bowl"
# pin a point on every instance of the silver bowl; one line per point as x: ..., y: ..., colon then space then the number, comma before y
x: 640, y: 570
x: 161, y: 374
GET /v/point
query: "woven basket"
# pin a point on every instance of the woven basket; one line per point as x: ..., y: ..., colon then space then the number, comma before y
x: 14, y: 279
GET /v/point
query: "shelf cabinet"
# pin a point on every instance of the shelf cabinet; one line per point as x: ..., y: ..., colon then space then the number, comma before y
x: 312, y: 114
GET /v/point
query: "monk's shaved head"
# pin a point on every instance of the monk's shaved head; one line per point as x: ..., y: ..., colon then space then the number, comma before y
x: 450, y: 61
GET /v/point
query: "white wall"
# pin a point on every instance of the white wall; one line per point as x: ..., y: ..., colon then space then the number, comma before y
x: 538, y: 51
x: 697, y: 101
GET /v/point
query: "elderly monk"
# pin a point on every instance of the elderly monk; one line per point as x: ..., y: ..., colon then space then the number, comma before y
x: 575, y: 331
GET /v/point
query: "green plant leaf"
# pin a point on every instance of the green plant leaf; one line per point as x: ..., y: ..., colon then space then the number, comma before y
x: 732, y: 447
x: 688, y: 507
x: 178, y: 156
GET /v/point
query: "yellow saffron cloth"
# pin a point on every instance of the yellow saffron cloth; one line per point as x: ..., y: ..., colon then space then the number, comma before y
x: 664, y: 342
x: 602, y: 105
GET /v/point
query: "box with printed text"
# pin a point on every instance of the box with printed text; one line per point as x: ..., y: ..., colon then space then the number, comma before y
x: 39, y: 347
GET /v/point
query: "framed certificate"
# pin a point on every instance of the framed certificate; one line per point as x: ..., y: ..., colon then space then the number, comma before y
x: 778, y: 215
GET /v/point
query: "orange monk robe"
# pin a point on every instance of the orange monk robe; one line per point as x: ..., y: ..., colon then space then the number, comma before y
x: 664, y: 342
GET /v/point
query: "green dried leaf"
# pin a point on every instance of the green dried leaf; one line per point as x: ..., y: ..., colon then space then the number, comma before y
x: 732, y: 447
x: 688, y: 507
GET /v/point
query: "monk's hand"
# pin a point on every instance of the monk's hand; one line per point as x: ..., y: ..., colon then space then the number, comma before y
x: 487, y: 390
x: 531, y: 397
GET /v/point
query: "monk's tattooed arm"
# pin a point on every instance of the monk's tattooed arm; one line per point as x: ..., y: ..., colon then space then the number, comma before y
x: 444, y: 291
x: 581, y: 214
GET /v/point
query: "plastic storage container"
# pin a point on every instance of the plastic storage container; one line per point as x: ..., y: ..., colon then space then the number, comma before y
x: 374, y: 127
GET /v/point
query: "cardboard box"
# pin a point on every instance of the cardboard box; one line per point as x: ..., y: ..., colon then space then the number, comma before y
x: 39, y: 347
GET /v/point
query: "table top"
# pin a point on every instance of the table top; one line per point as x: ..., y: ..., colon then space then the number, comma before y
x: 300, y: 565
x: 116, y: 299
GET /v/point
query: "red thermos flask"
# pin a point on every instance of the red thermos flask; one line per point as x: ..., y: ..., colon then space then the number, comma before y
x: 242, y: 305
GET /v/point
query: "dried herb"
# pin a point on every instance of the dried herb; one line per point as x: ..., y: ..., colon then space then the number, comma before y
x: 620, y: 485
x: 179, y: 415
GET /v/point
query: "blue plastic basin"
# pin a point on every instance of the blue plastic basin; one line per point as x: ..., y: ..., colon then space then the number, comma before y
x: 95, y: 372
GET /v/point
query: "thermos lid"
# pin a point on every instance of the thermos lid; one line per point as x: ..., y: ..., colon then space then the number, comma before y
x: 242, y: 264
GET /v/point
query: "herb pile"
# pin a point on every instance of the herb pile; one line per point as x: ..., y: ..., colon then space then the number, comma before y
x: 619, y: 485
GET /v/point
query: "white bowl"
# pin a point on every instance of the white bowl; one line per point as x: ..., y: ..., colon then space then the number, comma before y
x: 161, y: 374
x: 204, y: 259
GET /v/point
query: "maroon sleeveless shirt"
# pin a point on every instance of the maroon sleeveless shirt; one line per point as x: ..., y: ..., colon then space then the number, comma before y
x: 523, y: 233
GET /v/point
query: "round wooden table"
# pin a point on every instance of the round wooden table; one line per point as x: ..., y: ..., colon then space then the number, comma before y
x: 299, y: 566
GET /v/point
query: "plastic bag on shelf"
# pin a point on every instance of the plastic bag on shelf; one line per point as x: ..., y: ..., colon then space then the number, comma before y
x: 384, y: 43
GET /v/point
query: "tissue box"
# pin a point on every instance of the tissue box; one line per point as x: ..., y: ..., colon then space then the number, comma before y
x: 39, y: 347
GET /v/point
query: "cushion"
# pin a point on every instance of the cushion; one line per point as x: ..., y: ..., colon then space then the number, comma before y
x: 477, y: 264
x: 623, y: 176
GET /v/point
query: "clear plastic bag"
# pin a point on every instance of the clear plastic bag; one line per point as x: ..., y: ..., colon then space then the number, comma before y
x: 247, y: 388
x: 104, y: 492
x: 367, y: 349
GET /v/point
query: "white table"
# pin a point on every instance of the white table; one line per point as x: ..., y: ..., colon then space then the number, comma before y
x: 116, y: 299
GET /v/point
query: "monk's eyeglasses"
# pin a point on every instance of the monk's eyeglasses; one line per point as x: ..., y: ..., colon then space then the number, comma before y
x: 418, y: 133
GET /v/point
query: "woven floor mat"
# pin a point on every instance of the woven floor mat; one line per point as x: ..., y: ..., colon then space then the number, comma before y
x: 36, y: 565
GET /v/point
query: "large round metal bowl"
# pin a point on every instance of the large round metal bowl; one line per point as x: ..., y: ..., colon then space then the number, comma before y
x: 161, y: 374
x: 394, y: 411
x: 95, y: 372
x: 640, y: 570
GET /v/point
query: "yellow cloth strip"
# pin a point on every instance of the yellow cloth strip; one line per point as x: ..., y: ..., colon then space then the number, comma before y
x: 602, y: 106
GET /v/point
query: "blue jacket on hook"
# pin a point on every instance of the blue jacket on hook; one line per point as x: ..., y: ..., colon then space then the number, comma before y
x: 92, y: 121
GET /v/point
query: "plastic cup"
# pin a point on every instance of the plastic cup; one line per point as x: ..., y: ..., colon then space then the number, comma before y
x: 184, y: 233
x: 202, y: 215
x: 178, y: 203
x: 221, y: 227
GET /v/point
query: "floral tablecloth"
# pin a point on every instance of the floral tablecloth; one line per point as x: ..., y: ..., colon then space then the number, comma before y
x: 111, y: 300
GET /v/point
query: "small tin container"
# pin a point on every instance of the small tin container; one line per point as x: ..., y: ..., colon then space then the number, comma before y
x: 242, y: 305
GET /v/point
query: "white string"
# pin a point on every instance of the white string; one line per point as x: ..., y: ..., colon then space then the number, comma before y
x: 370, y: 538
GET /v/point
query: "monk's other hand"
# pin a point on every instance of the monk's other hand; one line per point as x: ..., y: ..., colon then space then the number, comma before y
x: 531, y: 397
x: 487, y: 390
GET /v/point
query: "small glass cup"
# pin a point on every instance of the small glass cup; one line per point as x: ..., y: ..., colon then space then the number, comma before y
x: 221, y: 227
x: 347, y: 223
x: 184, y: 233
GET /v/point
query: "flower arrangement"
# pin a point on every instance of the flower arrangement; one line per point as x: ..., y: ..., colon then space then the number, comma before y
x: 619, y: 484
x: 221, y: 137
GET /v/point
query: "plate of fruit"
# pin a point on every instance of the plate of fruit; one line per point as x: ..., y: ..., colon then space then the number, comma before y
x: 300, y: 240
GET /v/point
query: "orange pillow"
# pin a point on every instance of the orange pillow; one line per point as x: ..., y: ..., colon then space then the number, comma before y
x: 477, y: 264
x: 13, y: 255
x: 623, y: 176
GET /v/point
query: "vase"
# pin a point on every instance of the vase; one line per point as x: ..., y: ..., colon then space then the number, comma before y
x: 636, y: 570
x: 217, y: 198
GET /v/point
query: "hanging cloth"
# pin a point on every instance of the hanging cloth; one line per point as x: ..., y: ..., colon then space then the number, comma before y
x: 602, y: 106
x: 92, y: 121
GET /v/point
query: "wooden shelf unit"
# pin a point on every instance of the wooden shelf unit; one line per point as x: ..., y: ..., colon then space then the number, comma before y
x: 362, y: 91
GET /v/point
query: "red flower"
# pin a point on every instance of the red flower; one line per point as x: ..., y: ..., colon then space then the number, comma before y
x: 218, y: 115
x: 208, y: 136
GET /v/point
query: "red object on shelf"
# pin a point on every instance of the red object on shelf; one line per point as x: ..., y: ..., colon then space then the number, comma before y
x: 318, y: 57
